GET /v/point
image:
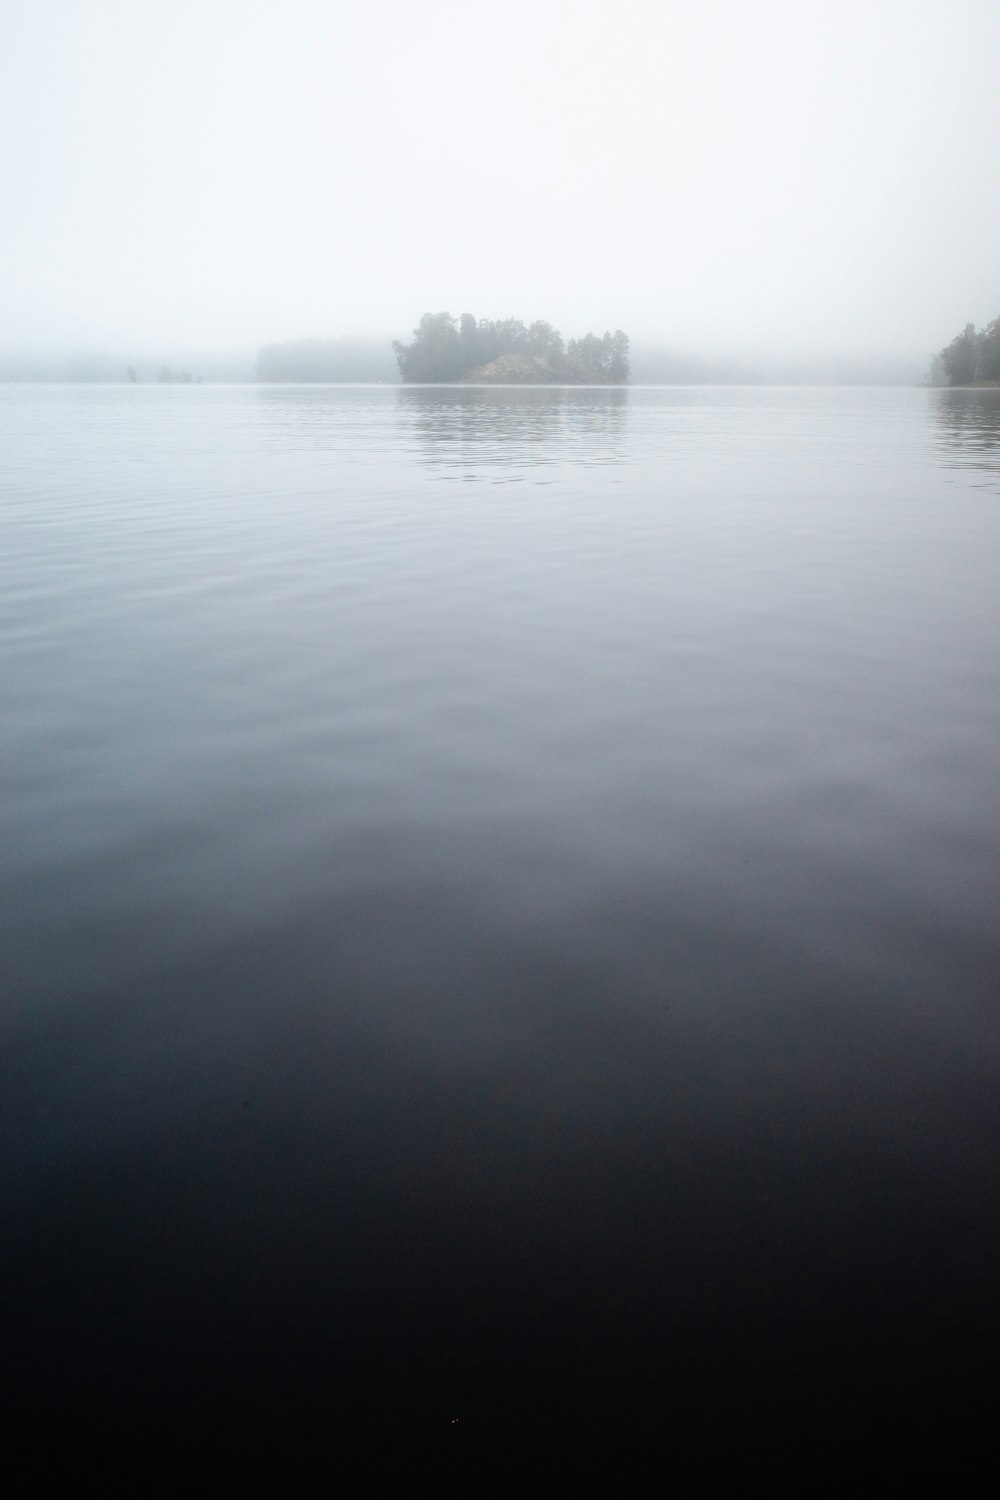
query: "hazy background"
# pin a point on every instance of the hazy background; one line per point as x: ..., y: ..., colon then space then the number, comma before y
x: 784, y: 180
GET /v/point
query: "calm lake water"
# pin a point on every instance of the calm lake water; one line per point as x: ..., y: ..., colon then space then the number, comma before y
x: 499, y: 894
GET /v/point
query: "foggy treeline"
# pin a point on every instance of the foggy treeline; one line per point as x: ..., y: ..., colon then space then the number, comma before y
x: 650, y: 363
x: 360, y: 360
x: 972, y: 356
x: 446, y: 348
x: 370, y: 359
x: 103, y: 367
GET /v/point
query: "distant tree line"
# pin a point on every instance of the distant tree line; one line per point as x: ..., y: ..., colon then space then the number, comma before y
x: 446, y: 348
x: 970, y: 356
x: 360, y: 360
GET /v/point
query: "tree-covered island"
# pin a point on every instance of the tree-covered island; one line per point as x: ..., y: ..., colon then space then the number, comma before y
x: 507, y: 352
x: 972, y: 358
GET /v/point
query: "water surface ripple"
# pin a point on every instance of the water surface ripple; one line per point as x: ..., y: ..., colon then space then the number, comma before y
x: 499, y: 893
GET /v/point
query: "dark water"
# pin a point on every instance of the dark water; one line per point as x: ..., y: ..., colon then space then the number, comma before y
x: 499, y: 893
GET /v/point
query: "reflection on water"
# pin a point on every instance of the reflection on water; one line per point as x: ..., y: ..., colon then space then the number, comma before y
x: 968, y: 434
x: 508, y: 434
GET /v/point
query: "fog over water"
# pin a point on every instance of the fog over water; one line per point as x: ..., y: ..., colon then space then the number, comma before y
x: 808, y: 181
x: 498, y: 884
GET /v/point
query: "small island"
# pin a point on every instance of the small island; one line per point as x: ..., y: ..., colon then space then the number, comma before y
x: 508, y: 352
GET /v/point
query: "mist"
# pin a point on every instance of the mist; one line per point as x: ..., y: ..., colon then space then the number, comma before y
x: 499, y: 844
x: 751, y: 183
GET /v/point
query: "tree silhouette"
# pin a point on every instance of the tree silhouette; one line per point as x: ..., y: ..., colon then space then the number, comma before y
x: 445, y: 349
x: 972, y: 356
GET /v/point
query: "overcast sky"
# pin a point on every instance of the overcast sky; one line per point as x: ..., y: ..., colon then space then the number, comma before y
x: 794, y: 176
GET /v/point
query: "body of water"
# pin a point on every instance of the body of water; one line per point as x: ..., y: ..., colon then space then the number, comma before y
x: 499, y: 892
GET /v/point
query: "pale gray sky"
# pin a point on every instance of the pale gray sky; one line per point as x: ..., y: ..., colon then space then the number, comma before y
x: 796, y: 176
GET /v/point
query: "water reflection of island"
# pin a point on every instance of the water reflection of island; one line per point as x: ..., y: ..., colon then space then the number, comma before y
x: 510, y: 434
x: 968, y: 435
